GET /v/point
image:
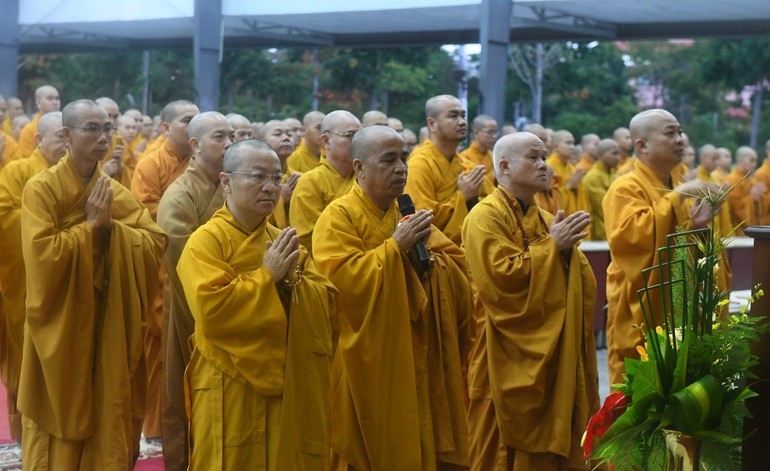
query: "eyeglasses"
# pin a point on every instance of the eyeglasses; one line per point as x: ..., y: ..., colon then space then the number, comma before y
x: 344, y: 135
x: 94, y: 129
x: 491, y: 132
x: 276, y: 179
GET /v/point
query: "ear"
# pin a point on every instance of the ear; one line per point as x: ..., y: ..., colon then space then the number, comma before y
x: 165, y: 127
x: 640, y: 145
x: 431, y: 122
x: 224, y: 179
x: 324, y: 140
x: 195, y: 145
x: 358, y: 167
x: 38, y: 139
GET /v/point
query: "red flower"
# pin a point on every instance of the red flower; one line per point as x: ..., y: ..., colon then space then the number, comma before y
x: 613, y: 407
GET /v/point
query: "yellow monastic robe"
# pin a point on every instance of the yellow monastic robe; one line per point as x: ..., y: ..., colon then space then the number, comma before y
x: 128, y: 162
x: 595, y: 184
x: 302, y: 160
x: 9, y: 151
x: 762, y: 175
x: 722, y: 221
x: 743, y: 210
x: 638, y: 214
x: 152, y: 176
x: 187, y: 204
x: 548, y: 200
x: 585, y: 164
x: 432, y: 184
x: 153, y: 146
x: 280, y: 215
x: 625, y: 166
x: 313, y: 193
x: 8, y: 125
x: 474, y: 154
x: 259, y: 370
x: 83, y: 376
x: 397, y: 390
x: 719, y: 175
x: 571, y: 200
x: 533, y: 364
x: 679, y: 174
x: 27, y: 141
x: 12, y: 282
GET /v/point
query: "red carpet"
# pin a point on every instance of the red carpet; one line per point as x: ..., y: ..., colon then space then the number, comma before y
x: 150, y: 464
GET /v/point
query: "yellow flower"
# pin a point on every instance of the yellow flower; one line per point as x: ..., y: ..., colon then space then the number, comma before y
x: 642, y: 352
x: 723, y: 302
x: 659, y: 330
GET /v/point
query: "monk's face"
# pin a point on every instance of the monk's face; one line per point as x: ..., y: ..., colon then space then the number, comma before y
x: 126, y: 129
x: 296, y: 129
x: 337, y: 139
x: 252, y: 190
x: 565, y: 147
x: 313, y: 134
x: 487, y: 135
x: 52, y: 143
x: 749, y: 163
x: 212, y: 144
x: 87, y: 138
x: 176, y: 130
x: 112, y: 111
x: 449, y: 124
x: 48, y: 100
x: 15, y: 108
x: 688, y: 157
x: 243, y: 130
x: 278, y: 136
x: 18, y: 124
x: 589, y: 146
x: 611, y: 157
x: 709, y: 160
x: 3, y: 109
x: 525, y: 168
x: 623, y: 138
x: 146, y: 129
x: 383, y: 174
x: 664, y: 146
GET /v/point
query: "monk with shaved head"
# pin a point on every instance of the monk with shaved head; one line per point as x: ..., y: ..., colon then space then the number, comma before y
x: 623, y: 137
x: 373, y: 117
x: 188, y: 203
x: 261, y: 355
x: 83, y: 374
x: 7, y: 142
x: 14, y: 177
x: 330, y: 180
x: 588, y: 145
x: 15, y: 108
x: 241, y: 125
x: 485, y: 134
x: 154, y: 173
x: 439, y: 179
x: 534, y: 359
x: 568, y: 180
x: 746, y: 192
x: 640, y: 210
x: 397, y: 402
x: 47, y: 100
x: 307, y: 153
x: 276, y: 133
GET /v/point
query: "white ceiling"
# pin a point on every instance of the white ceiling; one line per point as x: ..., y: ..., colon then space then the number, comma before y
x: 50, y: 25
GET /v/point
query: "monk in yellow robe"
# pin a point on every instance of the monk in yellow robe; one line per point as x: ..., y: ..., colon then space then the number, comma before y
x: 277, y: 135
x: 397, y: 387
x: 623, y: 137
x: 187, y: 204
x: 439, y: 179
x: 588, y: 143
x: 596, y: 183
x: 241, y: 127
x: 480, y: 152
x: 15, y: 108
x: 260, y: 366
x: 745, y: 193
x: 762, y: 177
x: 111, y: 107
x: 307, y: 154
x: 18, y: 125
x: 567, y: 180
x: 329, y: 181
x: 46, y: 100
x: 532, y: 377
x: 709, y: 156
x: 296, y: 130
x: 548, y: 199
x: 152, y: 176
x: 640, y: 210
x: 51, y: 148
x: 7, y: 142
x: 83, y: 374
x: 723, y: 165
x: 121, y: 161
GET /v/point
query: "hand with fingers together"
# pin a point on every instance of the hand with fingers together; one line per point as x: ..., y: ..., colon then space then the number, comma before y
x: 99, y: 205
x: 282, y: 253
x: 288, y: 188
x: 415, y: 228
x: 567, y: 231
x: 469, y: 184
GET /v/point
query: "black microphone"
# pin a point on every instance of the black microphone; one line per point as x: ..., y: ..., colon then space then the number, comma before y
x: 419, y: 252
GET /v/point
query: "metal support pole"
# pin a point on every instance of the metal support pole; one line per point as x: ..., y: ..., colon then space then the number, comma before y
x: 9, y: 48
x: 495, y: 36
x: 207, y: 47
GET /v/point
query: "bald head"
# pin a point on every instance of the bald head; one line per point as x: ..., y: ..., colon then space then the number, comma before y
x: 563, y: 144
x: 509, y: 129
x: 364, y: 144
x: 396, y: 124
x: 277, y: 134
x: 296, y: 130
x: 127, y: 128
x: 538, y: 130
x: 202, y: 123
x: 112, y: 108
x: 312, y: 118
x: 746, y: 159
x: 656, y: 136
x: 312, y: 124
x: 643, y: 125
x: 239, y: 152
x: 373, y: 117
x: 241, y: 126
x: 49, y: 123
x: 15, y: 107
x: 134, y: 113
x: 520, y: 167
x: 338, y: 129
x: 336, y: 118
x: 424, y: 134
x: 73, y: 113
x: 172, y: 110
x: 435, y: 105
x: 47, y: 99
x: 481, y: 121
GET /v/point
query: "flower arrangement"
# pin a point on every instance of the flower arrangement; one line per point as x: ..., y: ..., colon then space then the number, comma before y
x: 692, y: 372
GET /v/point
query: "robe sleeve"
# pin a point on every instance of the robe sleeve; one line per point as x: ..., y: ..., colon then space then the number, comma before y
x: 305, y: 208
x: 145, y: 185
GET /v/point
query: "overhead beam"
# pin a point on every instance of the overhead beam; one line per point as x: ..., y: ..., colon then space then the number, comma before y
x: 9, y: 48
x: 565, y: 22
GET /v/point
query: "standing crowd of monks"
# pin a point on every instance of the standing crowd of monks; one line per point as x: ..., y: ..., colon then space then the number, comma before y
x: 257, y: 294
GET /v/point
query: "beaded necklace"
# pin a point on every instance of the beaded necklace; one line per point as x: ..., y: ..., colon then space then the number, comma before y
x: 518, y: 219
